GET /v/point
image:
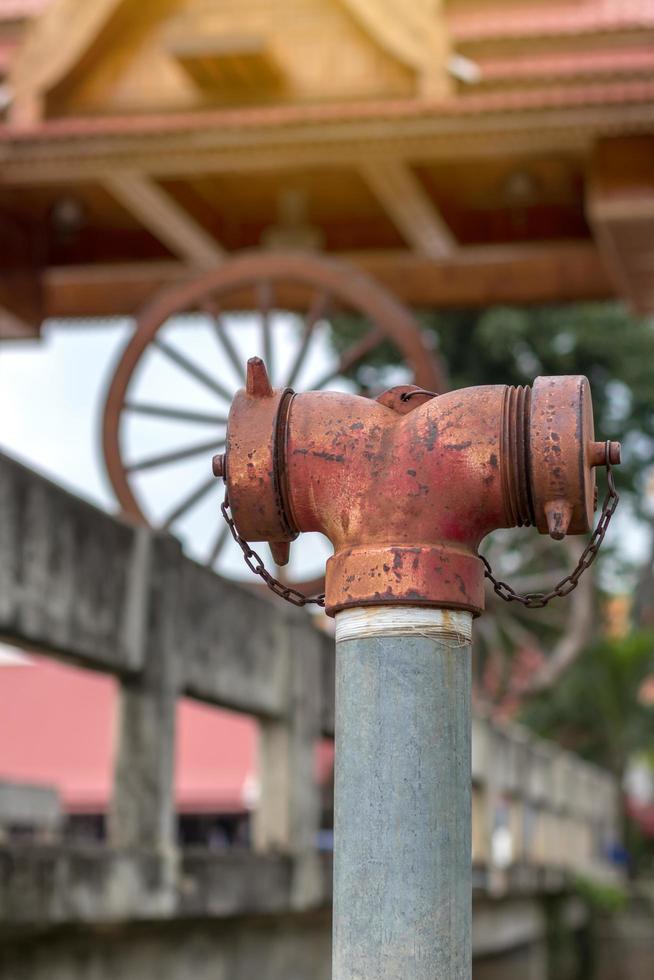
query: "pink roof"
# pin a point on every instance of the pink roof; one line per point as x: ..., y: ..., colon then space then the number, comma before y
x: 504, y: 20
x: 532, y: 65
x: 21, y: 9
x: 57, y: 726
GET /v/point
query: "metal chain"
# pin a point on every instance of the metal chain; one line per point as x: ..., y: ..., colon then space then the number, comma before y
x: 532, y: 600
x: 536, y: 600
x: 256, y: 565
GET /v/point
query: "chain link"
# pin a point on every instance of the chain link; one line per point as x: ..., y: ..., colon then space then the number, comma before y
x: 536, y: 600
x: 256, y: 565
x: 532, y: 600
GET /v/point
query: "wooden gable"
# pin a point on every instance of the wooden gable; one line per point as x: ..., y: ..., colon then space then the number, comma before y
x: 111, y: 56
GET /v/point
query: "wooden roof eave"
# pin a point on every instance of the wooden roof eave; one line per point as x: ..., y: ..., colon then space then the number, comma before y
x: 322, y: 135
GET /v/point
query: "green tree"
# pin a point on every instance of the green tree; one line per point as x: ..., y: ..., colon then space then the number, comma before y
x: 510, y: 345
x: 596, y: 710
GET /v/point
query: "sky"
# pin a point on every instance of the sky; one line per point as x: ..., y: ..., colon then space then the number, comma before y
x: 52, y: 395
x: 50, y: 402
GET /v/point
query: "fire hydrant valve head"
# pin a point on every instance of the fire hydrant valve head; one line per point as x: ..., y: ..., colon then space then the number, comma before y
x: 407, y: 486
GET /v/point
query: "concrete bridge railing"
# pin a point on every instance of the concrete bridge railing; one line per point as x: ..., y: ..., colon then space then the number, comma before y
x: 86, y: 587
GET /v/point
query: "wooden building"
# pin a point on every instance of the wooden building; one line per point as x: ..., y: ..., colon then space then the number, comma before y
x: 464, y: 152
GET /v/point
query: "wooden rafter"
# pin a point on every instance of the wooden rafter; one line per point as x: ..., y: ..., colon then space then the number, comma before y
x: 164, y: 218
x: 56, y: 42
x: 413, y: 33
x: 406, y: 202
x: 401, y: 29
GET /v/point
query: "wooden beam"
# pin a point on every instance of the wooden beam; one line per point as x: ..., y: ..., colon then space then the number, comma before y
x: 165, y: 218
x: 13, y: 327
x: 21, y: 308
x: 475, y: 277
x: 21, y: 292
x: 516, y: 274
x: 408, y: 205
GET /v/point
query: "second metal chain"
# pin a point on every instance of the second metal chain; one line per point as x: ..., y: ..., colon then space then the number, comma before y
x: 536, y: 600
x: 256, y: 565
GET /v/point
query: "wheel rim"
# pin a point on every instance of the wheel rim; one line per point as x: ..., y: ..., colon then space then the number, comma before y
x: 316, y: 285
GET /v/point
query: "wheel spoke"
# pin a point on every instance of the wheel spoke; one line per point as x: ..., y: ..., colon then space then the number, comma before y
x: 265, y: 299
x: 218, y: 545
x: 150, y: 462
x: 178, y: 414
x: 352, y: 355
x: 188, y: 502
x: 226, y: 344
x: 196, y: 372
x: 316, y: 312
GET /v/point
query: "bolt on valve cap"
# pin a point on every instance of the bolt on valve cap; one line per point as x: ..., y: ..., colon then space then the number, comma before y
x: 599, y: 451
x: 218, y: 465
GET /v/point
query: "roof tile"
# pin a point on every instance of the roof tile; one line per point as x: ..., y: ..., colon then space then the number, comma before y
x: 550, y: 96
x: 21, y: 9
x: 555, y: 19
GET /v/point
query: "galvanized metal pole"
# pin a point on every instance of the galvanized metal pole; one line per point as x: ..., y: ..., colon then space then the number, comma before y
x: 402, y: 860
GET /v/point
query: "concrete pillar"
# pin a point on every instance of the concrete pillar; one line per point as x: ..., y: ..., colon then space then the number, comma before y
x: 287, y: 817
x: 143, y: 806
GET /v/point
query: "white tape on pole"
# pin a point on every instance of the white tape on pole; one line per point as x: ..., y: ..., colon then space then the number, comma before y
x: 366, y: 621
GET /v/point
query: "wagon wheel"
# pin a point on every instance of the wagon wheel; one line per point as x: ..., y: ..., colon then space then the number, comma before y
x: 192, y: 341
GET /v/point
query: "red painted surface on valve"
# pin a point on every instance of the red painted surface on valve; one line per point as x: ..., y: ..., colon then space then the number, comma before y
x: 407, y: 486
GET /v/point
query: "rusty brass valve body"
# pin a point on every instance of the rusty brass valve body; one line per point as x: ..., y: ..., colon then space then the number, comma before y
x: 407, y: 486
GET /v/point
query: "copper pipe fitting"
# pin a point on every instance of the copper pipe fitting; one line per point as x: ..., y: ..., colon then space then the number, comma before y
x: 407, y: 487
